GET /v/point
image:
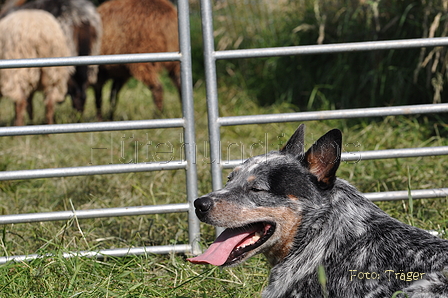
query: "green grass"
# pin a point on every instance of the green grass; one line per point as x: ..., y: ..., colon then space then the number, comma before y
x: 147, y: 276
x: 172, y: 276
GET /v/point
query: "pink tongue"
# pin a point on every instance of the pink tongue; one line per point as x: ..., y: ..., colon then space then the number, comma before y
x: 218, y: 253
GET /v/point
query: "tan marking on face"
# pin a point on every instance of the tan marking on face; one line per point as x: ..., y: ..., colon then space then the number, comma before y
x: 293, y: 197
x: 287, y: 222
x: 251, y: 178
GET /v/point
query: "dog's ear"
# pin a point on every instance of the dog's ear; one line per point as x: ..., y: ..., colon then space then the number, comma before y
x: 295, y: 144
x: 323, y: 158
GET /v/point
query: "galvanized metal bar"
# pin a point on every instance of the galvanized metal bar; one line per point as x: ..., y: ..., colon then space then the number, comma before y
x: 106, y: 169
x: 212, y: 93
x: 86, y: 60
x: 93, y: 213
x: 189, y: 129
x: 91, y: 127
x: 403, y: 194
x: 358, y: 156
x: 394, y: 153
x: 184, y: 56
x: 229, y: 54
x: 118, y: 252
x: 211, y: 86
x: 92, y: 170
x: 333, y: 48
x: 334, y: 114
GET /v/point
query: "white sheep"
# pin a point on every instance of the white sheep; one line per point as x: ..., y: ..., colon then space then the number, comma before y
x: 33, y: 34
x: 81, y: 24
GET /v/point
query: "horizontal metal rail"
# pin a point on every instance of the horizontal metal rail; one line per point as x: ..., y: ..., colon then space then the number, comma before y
x: 394, y: 153
x: 387, y: 154
x: 92, y: 170
x: 229, y: 54
x: 117, y: 252
x: 91, y: 127
x: 187, y: 123
x: 87, y: 60
x: 404, y: 195
x: 358, y: 156
x: 92, y: 213
x: 220, y: 121
x: 332, y: 48
x: 334, y: 114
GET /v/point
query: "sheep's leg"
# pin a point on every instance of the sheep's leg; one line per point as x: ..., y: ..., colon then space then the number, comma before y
x: 157, y: 91
x: 175, y: 78
x: 29, y: 107
x: 98, y: 100
x: 49, y: 111
x: 98, y: 87
x: 148, y: 74
x: 20, y: 107
x: 157, y: 95
x: 116, y: 87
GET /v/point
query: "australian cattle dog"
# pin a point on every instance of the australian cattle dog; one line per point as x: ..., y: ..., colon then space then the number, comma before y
x: 290, y: 206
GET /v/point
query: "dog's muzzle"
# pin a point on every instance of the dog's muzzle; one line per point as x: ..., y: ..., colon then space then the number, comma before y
x: 203, y: 206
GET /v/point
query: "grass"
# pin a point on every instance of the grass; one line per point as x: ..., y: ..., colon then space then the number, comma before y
x: 171, y: 275
x: 148, y: 276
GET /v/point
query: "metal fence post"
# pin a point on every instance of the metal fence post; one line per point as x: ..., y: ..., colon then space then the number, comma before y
x: 189, y: 130
x: 212, y: 95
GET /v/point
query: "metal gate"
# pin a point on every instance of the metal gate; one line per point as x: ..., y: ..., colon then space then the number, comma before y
x: 187, y: 123
x: 215, y: 122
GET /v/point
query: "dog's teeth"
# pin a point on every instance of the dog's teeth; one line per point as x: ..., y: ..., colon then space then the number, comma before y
x: 255, y: 238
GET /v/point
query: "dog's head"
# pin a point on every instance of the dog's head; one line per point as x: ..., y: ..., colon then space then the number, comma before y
x: 260, y: 206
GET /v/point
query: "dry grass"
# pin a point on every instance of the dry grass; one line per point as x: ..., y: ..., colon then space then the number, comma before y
x: 172, y: 276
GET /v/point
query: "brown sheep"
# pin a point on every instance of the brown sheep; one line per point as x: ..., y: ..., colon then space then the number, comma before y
x: 137, y: 26
x: 33, y: 34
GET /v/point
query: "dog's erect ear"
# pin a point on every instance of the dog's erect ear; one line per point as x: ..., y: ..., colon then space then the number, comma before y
x: 295, y: 144
x: 323, y: 158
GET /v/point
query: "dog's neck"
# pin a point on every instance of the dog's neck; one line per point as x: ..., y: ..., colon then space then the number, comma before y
x: 344, y: 206
x: 318, y: 234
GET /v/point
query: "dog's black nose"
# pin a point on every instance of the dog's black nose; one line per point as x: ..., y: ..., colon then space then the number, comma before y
x: 203, y: 205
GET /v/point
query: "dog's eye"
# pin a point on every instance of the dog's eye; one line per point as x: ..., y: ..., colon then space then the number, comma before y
x: 255, y: 189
